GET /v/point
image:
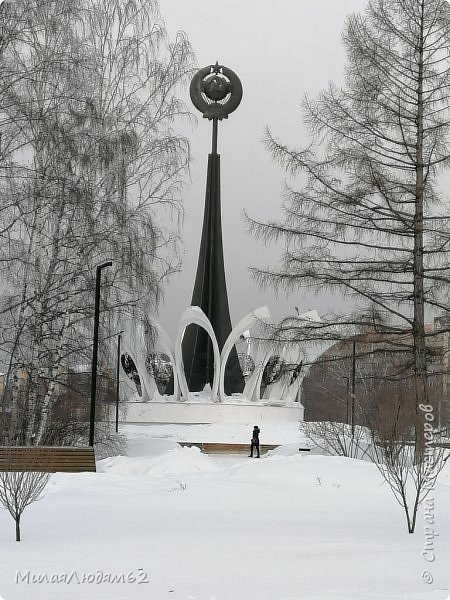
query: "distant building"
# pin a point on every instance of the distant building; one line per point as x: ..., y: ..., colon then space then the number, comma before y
x: 70, y: 403
x: 379, y: 368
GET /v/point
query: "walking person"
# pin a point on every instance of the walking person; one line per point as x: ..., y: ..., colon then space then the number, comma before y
x: 255, y: 442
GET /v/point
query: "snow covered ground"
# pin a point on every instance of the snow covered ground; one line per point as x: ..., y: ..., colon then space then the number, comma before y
x: 189, y: 526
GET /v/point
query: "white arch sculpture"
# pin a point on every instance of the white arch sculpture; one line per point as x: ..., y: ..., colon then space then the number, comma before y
x: 195, y: 316
x: 248, y: 321
x: 280, y: 393
x: 293, y: 354
x: 252, y: 390
x: 133, y: 343
x: 167, y: 346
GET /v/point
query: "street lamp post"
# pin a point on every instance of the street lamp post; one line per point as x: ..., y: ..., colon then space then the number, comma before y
x: 347, y: 379
x: 353, y: 386
x: 95, y: 350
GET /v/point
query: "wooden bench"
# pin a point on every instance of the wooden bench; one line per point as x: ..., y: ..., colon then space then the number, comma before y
x: 212, y: 448
x: 220, y: 448
x: 47, y: 459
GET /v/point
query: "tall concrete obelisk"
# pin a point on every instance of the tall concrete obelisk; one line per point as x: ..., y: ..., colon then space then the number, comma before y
x: 216, y: 91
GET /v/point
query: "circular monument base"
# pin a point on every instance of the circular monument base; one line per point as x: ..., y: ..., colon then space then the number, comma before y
x: 202, y: 412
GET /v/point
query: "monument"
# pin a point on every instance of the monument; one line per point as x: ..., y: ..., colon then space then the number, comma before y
x: 197, y: 376
x: 215, y: 91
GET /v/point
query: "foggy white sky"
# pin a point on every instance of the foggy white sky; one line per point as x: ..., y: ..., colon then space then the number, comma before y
x: 280, y: 50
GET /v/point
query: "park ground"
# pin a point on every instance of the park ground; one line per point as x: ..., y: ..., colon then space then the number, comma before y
x: 164, y: 522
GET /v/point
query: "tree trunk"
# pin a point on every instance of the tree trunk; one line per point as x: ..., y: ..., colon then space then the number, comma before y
x: 414, y: 513
x: 419, y: 340
x: 17, y: 519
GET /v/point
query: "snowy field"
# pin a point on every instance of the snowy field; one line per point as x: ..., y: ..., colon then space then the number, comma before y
x: 180, y: 525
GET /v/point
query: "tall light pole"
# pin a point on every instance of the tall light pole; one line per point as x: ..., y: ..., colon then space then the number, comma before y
x: 353, y: 386
x: 95, y: 349
x: 347, y: 379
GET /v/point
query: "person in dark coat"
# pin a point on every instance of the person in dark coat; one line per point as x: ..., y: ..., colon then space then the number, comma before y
x: 255, y: 441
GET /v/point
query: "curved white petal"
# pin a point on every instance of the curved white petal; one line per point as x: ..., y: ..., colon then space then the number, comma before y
x: 195, y: 316
x: 133, y: 343
x: 166, y: 344
x: 245, y: 323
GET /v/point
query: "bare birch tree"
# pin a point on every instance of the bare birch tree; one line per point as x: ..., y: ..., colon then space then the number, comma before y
x: 411, y: 480
x: 99, y: 169
x: 19, y: 489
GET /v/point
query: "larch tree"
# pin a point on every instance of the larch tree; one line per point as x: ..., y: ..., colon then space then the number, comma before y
x: 368, y: 221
